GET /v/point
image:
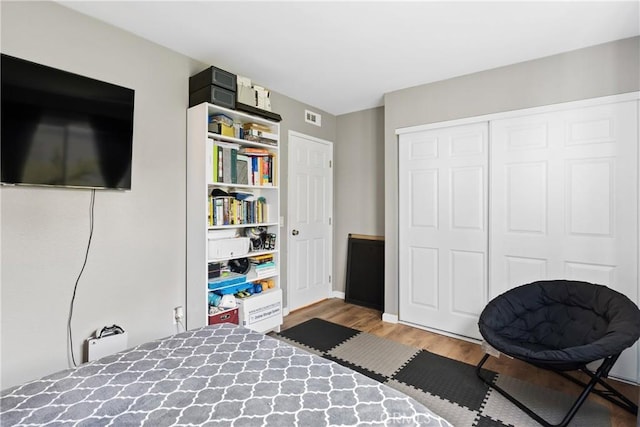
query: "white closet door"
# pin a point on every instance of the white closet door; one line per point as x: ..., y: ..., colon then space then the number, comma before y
x: 564, y: 202
x: 443, y: 228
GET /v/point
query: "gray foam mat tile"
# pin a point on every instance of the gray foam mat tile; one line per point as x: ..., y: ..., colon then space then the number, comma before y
x: 374, y: 353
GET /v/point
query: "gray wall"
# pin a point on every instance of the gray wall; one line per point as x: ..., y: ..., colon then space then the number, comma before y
x: 602, y: 70
x: 292, y: 113
x: 359, y: 189
x: 135, y: 270
x: 135, y: 273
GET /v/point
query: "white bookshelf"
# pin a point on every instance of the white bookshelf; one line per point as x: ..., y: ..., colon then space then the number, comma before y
x: 200, y: 183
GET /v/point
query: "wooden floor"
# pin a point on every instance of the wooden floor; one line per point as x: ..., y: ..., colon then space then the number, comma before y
x: 369, y: 320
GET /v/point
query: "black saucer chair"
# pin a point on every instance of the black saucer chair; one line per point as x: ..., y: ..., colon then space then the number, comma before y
x: 562, y: 326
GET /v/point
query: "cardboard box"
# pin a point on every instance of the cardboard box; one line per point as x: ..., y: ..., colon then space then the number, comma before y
x: 228, y: 316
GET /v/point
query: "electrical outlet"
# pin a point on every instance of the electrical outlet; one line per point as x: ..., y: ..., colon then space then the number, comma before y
x: 178, y: 314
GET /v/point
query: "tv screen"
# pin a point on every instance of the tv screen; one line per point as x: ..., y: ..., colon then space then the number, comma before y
x: 63, y: 129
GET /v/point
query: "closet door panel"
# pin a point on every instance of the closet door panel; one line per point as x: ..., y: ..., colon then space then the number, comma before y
x: 443, y: 228
x: 564, y: 194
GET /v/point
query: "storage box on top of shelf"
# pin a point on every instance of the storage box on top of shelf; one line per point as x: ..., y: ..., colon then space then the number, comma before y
x: 246, y: 95
x: 228, y: 248
x: 214, y: 95
x: 212, y: 76
x: 228, y: 316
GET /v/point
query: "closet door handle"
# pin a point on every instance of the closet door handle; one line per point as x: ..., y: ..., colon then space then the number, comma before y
x: 295, y: 232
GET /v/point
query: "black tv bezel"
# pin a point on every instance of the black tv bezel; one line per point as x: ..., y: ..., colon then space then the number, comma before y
x: 80, y: 80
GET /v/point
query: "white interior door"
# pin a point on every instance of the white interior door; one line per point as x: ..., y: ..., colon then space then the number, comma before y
x: 310, y: 211
x: 564, y: 194
x: 443, y: 227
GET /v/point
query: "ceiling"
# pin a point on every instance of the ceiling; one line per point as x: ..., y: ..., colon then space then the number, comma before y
x: 344, y: 56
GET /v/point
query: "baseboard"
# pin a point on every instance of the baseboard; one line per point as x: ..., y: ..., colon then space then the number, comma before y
x: 337, y: 294
x: 285, y: 311
x: 445, y: 333
x: 389, y: 318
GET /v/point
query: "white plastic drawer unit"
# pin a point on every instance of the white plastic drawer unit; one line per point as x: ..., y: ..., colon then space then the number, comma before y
x: 261, y: 312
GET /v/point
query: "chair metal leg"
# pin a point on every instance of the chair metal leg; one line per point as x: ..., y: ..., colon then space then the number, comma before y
x: 610, y: 393
x: 595, y: 379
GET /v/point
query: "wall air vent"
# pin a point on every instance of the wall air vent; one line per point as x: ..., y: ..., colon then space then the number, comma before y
x: 313, y: 118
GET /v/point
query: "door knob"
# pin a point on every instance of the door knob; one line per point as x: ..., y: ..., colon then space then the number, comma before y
x: 295, y: 232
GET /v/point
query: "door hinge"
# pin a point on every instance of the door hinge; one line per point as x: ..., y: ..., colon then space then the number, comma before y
x: 329, y: 220
x: 329, y: 278
x: 330, y: 163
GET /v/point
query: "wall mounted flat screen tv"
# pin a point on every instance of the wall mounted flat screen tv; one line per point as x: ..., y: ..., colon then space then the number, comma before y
x: 62, y: 129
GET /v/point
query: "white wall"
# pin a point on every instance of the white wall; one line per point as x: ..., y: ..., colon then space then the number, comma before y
x: 135, y: 270
x: 602, y: 70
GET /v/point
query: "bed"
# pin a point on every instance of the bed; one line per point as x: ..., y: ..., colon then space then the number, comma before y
x: 217, y: 375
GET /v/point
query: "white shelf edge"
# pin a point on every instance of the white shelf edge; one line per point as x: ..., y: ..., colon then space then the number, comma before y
x: 241, y: 114
x: 247, y: 255
x: 247, y: 282
x: 268, y: 291
x: 254, y: 187
x: 244, y: 142
x: 249, y: 225
x: 253, y: 279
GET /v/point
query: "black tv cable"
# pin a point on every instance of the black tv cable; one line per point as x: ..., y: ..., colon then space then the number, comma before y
x: 86, y: 256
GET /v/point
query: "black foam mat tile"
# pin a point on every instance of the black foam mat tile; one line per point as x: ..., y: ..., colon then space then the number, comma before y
x: 482, y: 421
x: 444, y: 377
x: 319, y: 334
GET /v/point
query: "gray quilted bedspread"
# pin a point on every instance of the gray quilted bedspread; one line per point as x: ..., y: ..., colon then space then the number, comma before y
x: 218, y: 375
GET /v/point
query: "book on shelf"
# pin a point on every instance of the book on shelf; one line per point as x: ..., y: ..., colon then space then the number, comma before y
x: 210, y: 169
x: 230, y: 163
x: 261, y: 134
x: 226, y: 210
x: 243, y: 172
x: 263, y: 265
x: 265, y: 269
x: 265, y: 273
x: 255, y: 151
x: 262, y: 137
x: 226, y: 164
x: 256, y: 126
x: 261, y: 259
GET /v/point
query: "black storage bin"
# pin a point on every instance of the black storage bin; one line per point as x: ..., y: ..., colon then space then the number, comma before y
x: 215, y: 95
x: 212, y: 76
